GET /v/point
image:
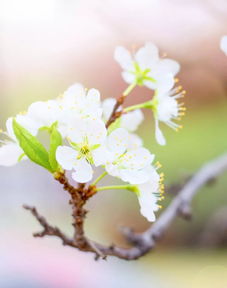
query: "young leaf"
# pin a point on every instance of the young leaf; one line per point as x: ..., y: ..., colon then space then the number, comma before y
x: 34, y: 150
x: 55, y: 141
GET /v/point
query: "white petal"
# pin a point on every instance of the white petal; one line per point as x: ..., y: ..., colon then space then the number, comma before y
x: 132, y: 120
x: 124, y: 58
x: 28, y: 123
x: 135, y: 176
x: 223, y: 44
x: 83, y: 171
x: 117, y: 141
x: 128, y: 77
x: 168, y: 66
x: 87, y: 129
x: 112, y: 170
x: 146, y: 201
x: 137, y: 158
x: 96, y: 132
x: 147, y: 198
x: 73, y: 92
x: 9, y: 154
x: 77, y: 130
x: 66, y: 157
x: 9, y: 128
x: 101, y: 155
x: 44, y: 113
x: 150, y: 84
x: 159, y: 135
x: 167, y: 107
x: 164, y: 82
x: 93, y: 95
x: 147, y: 55
x: 107, y: 106
x: 134, y: 141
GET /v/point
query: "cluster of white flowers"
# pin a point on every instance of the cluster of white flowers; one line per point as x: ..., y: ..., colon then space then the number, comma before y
x: 80, y: 139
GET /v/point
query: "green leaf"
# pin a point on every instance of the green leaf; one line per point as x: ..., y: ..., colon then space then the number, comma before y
x: 31, y: 146
x: 116, y: 124
x: 55, y: 141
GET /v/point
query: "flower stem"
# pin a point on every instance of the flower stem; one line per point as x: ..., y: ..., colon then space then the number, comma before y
x: 99, y: 178
x: 129, y: 89
x: 114, y: 187
x: 147, y: 104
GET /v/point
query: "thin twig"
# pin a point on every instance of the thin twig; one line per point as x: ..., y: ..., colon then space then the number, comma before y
x: 146, y: 241
x: 115, y: 113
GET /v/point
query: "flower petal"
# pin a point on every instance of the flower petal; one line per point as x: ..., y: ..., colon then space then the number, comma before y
x: 93, y: 130
x: 66, y: 157
x: 128, y: 77
x: 135, y: 176
x: 100, y: 156
x: 74, y: 93
x: 83, y: 171
x: 223, y: 44
x: 147, y: 55
x: 117, y: 141
x: 96, y: 131
x: 28, y: 123
x: 9, y: 128
x: 168, y: 66
x: 124, y: 58
x: 137, y: 158
x: 165, y: 82
x: 134, y: 141
x: 44, y: 113
x: 107, y: 106
x: 9, y: 154
x: 147, y: 198
x: 132, y: 120
x: 93, y: 95
x: 159, y: 135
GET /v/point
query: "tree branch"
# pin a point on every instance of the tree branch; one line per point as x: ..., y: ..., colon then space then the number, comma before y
x: 146, y: 241
x: 115, y: 113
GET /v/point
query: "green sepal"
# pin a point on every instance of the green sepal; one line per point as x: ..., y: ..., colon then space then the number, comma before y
x: 95, y: 146
x: 55, y: 141
x: 21, y: 157
x: 31, y: 146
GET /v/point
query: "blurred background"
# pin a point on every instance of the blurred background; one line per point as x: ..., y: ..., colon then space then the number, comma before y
x: 47, y: 45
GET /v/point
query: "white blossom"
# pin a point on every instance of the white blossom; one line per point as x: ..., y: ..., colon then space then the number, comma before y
x: 223, y: 44
x: 147, y: 68
x: 81, y: 102
x: 149, y: 194
x: 130, y: 165
x: 129, y: 121
x: 87, y: 138
x: 167, y: 109
x: 73, y: 104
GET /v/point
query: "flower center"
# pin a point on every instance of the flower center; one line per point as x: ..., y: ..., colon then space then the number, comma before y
x: 141, y: 75
x: 84, y: 150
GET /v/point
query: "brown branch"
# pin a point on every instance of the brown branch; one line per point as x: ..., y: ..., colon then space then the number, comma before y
x: 115, y: 113
x: 48, y: 230
x: 214, y: 233
x: 144, y: 242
